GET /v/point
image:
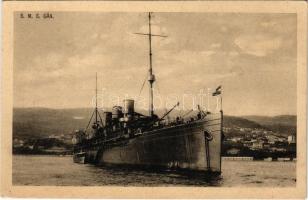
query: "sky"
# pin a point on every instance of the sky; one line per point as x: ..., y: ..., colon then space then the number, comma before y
x: 252, y: 56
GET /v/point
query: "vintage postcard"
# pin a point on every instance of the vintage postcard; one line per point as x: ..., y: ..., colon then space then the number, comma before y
x: 154, y: 99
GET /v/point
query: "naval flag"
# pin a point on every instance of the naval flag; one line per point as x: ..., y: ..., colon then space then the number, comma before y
x: 217, y: 91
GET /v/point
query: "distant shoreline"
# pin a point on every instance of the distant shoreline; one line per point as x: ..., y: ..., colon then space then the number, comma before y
x: 223, y: 158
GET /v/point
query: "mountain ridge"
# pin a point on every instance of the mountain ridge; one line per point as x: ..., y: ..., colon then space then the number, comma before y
x: 42, y: 122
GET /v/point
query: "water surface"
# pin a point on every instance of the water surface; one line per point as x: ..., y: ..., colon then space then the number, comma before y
x: 61, y: 171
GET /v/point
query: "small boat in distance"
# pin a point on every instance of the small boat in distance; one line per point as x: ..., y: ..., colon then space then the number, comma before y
x: 126, y: 137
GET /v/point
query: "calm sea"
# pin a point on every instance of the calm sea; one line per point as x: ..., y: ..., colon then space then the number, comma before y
x: 60, y: 171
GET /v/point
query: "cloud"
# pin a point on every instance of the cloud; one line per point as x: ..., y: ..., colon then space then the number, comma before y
x: 215, y: 45
x: 233, y: 53
x: 155, y: 29
x: 193, y: 57
x: 202, y: 50
x: 258, y: 45
x: 77, y: 117
x: 268, y: 24
x: 50, y: 62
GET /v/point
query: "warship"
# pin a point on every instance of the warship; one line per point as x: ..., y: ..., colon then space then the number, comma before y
x: 128, y: 138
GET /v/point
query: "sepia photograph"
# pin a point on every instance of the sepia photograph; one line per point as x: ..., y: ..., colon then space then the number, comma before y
x: 153, y: 98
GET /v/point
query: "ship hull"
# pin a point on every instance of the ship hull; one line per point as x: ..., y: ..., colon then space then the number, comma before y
x: 193, y: 146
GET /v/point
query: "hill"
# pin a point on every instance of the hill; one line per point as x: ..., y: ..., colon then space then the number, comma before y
x: 285, y: 124
x: 42, y: 122
x: 286, y: 120
x: 233, y: 122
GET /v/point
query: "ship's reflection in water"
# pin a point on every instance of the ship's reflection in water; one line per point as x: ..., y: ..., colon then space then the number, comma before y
x: 61, y: 171
x: 155, y: 176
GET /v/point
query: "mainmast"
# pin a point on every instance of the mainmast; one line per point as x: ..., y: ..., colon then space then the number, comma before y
x: 151, y: 75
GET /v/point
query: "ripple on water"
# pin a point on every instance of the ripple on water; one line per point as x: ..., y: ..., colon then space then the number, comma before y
x: 53, y: 170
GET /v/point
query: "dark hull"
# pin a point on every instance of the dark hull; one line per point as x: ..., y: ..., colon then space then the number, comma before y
x: 182, y: 147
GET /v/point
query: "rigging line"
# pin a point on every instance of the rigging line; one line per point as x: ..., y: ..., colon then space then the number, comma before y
x: 180, y: 113
x: 90, y: 120
x: 158, y: 90
x: 141, y: 87
x: 99, y: 115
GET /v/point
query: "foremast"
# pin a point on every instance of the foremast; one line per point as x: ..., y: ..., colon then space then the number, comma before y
x: 96, y: 110
x: 98, y: 119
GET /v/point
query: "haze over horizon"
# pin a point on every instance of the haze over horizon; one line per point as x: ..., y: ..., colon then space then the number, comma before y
x: 145, y: 111
x: 253, y: 57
